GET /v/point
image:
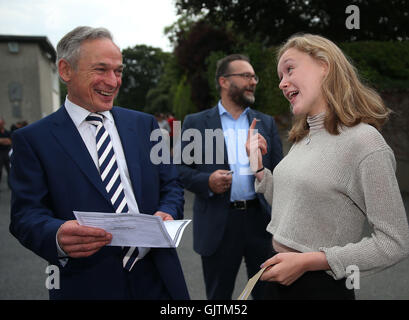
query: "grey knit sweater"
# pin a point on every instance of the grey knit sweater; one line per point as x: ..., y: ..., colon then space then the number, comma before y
x: 324, y: 189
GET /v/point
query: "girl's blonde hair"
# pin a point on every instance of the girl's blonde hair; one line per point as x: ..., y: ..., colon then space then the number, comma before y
x: 349, y: 100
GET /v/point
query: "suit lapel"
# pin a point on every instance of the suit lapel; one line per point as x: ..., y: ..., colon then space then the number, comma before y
x: 259, y: 126
x: 250, y: 116
x: 70, y: 139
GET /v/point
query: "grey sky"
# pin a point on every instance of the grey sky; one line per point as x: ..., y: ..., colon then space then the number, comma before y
x: 130, y: 21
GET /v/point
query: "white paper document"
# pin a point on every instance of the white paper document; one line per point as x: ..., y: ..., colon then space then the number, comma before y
x: 135, y: 229
x: 250, y: 285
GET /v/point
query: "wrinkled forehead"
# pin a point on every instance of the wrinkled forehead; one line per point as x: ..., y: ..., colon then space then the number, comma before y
x: 100, y: 51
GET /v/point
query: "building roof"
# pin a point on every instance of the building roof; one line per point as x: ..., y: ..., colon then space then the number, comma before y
x: 43, y: 41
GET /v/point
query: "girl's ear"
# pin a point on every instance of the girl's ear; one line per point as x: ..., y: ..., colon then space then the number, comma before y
x: 325, y: 68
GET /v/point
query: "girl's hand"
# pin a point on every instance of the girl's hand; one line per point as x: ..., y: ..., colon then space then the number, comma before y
x: 285, y: 268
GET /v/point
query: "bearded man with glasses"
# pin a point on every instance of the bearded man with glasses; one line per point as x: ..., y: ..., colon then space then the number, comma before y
x: 230, y: 219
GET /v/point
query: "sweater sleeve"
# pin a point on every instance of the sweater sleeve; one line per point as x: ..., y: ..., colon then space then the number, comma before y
x: 265, y: 186
x: 375, y: 183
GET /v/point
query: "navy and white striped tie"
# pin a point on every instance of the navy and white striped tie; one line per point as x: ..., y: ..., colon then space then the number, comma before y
x: 111, y: 179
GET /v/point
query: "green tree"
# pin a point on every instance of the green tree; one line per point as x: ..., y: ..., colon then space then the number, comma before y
x: 182, y: 103
x: 144, y: 65
x: 160, y: 98
x: 271, y: 22
x: 191, y: 51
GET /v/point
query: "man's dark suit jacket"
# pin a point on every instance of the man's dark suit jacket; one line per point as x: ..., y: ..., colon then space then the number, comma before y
x: 53, y: 174
x: 211, y: 211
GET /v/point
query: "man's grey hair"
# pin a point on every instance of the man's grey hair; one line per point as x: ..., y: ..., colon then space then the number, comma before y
x: 69, y: 46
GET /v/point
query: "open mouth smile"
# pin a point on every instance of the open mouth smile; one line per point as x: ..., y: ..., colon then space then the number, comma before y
x: 290, y: 95
x: 105, y: 93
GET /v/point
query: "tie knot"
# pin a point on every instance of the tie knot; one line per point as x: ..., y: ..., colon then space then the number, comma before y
x: 95, y: 118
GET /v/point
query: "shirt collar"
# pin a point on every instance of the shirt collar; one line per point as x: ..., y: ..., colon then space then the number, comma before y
x: 78, y: 114
x: 222, y: 110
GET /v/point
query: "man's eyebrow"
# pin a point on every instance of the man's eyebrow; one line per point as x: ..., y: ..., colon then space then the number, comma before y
x: 103, y: 64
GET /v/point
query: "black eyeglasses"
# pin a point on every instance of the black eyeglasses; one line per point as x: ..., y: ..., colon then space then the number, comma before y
x: 247, y: 76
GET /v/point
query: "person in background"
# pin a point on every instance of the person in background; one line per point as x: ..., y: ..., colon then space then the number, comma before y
x: 338, y: 173
x: 18, y: 125
x: 171, y: 119
x: 162, y: 122
x: 229, y: 218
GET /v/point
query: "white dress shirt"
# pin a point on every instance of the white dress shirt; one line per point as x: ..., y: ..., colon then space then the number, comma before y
x: 88, y: 132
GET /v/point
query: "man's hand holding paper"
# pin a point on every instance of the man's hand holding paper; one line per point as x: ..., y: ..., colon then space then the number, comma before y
x: 79, y: 241
x: 165, y: 216
x: 135, y: 229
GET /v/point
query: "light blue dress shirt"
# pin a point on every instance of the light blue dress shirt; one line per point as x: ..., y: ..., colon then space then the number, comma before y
x: 235, y: 136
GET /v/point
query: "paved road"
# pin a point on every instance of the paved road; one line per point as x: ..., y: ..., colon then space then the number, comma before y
x: 22, y: 273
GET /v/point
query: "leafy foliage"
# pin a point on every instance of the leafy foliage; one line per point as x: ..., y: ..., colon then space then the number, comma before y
x: 191, y: 52
x: 144, y: 65
x: 271, y: 22
x: 183, y: 81
x: 182, y: 103
x: 383, y: 65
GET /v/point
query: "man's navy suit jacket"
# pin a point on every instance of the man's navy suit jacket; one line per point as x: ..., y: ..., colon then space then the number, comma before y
x: 211, y: 211
x: 53, y: 174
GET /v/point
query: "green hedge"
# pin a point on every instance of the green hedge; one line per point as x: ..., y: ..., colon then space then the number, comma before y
x: 383, y: 65
x: 182, y: 103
